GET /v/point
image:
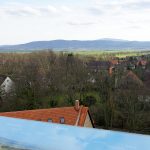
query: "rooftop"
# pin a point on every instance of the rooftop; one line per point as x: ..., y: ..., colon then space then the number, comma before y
x: 65, y: 115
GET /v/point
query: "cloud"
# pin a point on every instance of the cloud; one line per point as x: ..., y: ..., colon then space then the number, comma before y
x: 96, y: 10
x: 134, y: 27
x: 66, y: 9
x: 81, y: 23
x: 137, y: 5
x: 109, y: 6
x: 18, y: 9
x: 52, y: 9
x: 25, y: 11
x: 86, y: 19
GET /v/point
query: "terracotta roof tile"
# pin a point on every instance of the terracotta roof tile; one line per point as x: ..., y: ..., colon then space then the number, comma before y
x: 69, y: 113
x: 83, y: 115
x: 114, y: 62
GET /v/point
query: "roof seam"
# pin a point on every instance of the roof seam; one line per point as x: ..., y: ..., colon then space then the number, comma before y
x: 78, y: 118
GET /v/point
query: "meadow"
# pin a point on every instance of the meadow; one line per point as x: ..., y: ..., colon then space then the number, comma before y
x: 113, y: 53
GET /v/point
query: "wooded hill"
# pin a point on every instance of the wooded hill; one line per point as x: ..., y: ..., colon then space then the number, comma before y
x: 102, y: 44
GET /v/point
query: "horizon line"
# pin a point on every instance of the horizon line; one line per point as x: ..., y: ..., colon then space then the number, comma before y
x: 109, y: 39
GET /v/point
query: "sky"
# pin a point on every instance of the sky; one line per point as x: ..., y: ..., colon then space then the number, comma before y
x: 22, y: 21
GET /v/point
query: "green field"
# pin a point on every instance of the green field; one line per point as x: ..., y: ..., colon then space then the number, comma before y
x: 90, y: 53
x: 115, y: 53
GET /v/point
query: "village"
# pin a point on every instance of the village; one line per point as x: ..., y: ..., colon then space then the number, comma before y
x: 110, y: 78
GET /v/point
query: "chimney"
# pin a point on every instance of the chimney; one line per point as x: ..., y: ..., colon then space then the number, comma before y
x: 77, y: 105
x: 110, y: 71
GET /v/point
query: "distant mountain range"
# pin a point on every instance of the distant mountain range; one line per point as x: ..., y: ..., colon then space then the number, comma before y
x: 101, y: 44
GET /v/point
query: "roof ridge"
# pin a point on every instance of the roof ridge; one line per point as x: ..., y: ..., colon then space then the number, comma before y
x: 78, y: 117
x: 132, y: 74
x: 83, y: 116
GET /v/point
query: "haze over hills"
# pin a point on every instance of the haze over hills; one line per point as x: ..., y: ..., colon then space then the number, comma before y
x: 101, y: 44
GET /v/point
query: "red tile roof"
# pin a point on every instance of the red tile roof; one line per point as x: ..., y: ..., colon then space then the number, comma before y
x: 134, y: 77
x: 70, y: 114
x: 142, y: 62
x: 114, y: 62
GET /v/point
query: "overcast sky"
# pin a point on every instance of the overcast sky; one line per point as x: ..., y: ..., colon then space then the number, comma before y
x: 22, y: 21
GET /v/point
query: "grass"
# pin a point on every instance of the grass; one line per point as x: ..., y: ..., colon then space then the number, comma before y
x: 92, y: 53
x: 113, y: 53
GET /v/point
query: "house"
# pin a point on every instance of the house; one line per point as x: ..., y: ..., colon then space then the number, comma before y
x: 130, y: 80
x: 96, y: 66
x: 123, y: 66
x: 142, y: 63
x: 111, y: 70
x: 131, y: 66
x: 114, y: 62
x: 76, y: 115
x: 6, y: 84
